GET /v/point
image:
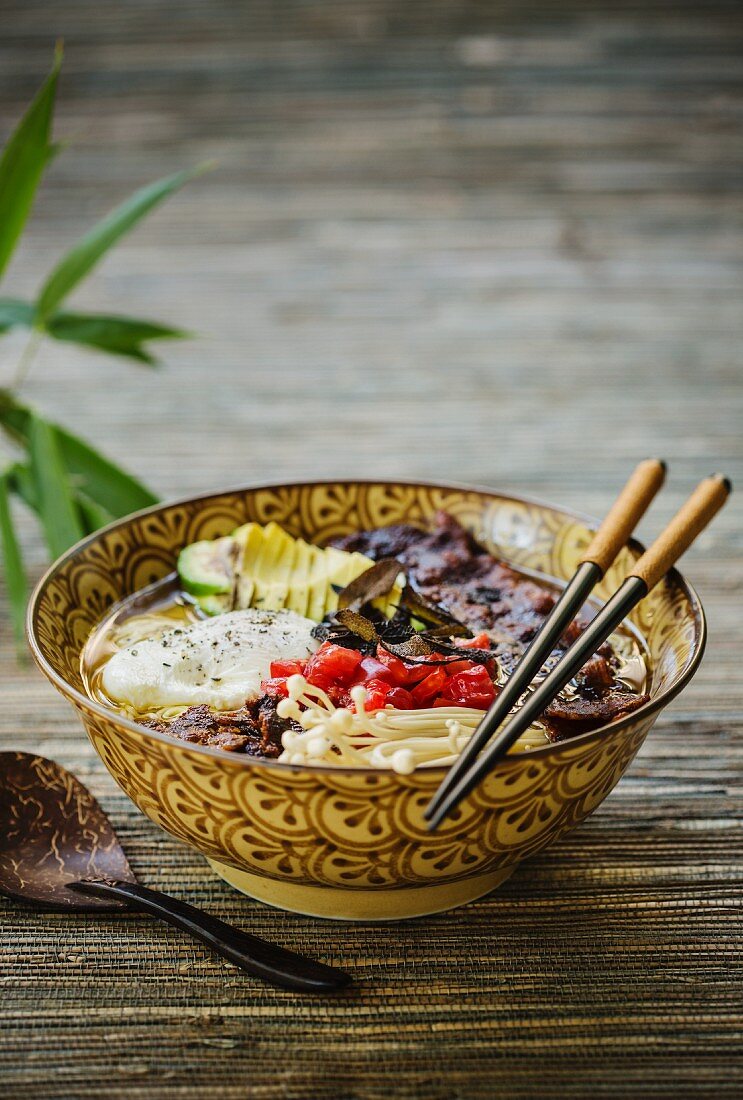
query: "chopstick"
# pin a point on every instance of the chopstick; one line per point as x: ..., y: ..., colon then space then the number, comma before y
x: 622, y: 518
x: 689, y: 521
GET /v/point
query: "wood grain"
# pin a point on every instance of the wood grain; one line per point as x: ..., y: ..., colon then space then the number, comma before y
x: 493, y: 242
x: 626, y: 512
x: 693, y: 517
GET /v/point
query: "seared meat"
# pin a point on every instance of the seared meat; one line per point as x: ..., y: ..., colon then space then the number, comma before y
x: 567, y: 717
x: 255, y: 729
x: 597, y: 674
x: 430, y: 556
x: 271, y: 725
x: 450, y: 568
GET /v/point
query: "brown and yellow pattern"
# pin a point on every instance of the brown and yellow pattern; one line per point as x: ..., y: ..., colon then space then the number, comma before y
x: 342, y: 829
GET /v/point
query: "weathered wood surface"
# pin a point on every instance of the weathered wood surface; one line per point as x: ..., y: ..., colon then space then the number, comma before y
x: 497, y: 243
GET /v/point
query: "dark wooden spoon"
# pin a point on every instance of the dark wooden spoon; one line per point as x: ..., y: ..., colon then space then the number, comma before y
x: 57, y: 848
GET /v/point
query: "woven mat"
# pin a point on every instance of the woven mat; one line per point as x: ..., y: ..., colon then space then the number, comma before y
x: 607, y: 962
x: 532, y: 218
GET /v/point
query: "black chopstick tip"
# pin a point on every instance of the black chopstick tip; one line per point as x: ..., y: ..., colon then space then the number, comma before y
x: 725, y: 481
x: 436, y: 817
x: 340, y: 980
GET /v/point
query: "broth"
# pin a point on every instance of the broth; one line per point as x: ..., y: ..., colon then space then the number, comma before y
x: 163, y: 606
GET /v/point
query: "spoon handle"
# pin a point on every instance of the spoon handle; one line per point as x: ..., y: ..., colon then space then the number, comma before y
x: 265, y: 960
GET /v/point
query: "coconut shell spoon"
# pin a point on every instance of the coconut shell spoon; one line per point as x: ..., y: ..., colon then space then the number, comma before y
x: 58, y: 849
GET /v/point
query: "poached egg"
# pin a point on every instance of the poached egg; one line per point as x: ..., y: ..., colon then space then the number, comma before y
x: 219, y: 661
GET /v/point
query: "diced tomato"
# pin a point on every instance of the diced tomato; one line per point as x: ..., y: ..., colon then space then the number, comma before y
x: 472, y: 688
x: 376, y: 694
x: 389, y: 680
x: 453, y: 667
x: 397, y: 669
x: 426, y: 691
x: 419, y: 670
x: 443, y: 701
x: 340, y: 696
x: 287, y: 668
x: 405, y: 673
x: 400, y: 699
x: 480, y: 641
x: 332, y: 664
x: 372, y: 669
x: 275, y: 686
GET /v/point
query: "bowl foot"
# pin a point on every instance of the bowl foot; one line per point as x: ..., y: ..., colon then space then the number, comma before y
x: 336, y: 903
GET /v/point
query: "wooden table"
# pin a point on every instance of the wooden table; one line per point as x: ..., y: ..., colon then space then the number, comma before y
x: 497, y: 243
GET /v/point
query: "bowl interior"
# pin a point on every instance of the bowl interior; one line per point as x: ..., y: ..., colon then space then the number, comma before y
x: 131, y: 553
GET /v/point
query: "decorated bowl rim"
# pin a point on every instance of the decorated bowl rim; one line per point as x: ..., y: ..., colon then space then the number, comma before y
x: 84, y: 702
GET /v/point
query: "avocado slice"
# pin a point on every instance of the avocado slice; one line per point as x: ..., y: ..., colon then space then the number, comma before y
x: 318, y: 585
x: 299, y: 589
x: 215, y: 605
x: 273, y: 568
x: 266, y: 567
x: 207, y: 568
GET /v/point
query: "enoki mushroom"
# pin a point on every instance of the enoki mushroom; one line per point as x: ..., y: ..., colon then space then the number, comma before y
x: 398, y: 739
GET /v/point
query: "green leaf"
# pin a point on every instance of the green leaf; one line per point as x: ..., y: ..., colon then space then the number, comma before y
x: 14, y: 312
x: 91, y: 248
x: 23, y: 162
x: 93, y: 516
x: 116, y: 335
x: 57, y: 509
x: 102, y: 480
x: 15, y: 576
x: 20, y: 480
x: 14, y: 417
x: 91, y: 473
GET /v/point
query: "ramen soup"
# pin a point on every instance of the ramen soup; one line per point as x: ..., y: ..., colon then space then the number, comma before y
x: 383, y: 650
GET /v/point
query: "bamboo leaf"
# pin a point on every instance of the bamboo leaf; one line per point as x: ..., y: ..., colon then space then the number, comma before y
x: 103, y: 481
x: 91, y: 472
x: 15, y: 575
x: 57, y: 509
x: 116, y: 335
x: 14, y: 417
x: 83, y: 257
x: 20, y: 480
x: 93, y: 516
x: 23, y: 162
x: 14, y: 312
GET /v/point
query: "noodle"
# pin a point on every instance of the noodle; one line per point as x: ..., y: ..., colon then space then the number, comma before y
x: 150, y: 624
x: 402, y: 740
x: 113, y: 635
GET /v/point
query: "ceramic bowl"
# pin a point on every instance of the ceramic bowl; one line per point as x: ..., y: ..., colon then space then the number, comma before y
x: 336, y: 842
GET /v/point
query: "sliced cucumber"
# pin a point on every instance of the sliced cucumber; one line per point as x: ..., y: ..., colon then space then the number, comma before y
x: 207, y: 568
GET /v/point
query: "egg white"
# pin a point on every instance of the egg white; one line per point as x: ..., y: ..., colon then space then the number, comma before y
x: 219, y: 661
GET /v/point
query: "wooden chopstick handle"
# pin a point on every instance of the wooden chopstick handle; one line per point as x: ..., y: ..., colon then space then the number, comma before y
x: 704, y: 503
x: 625, y: 513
